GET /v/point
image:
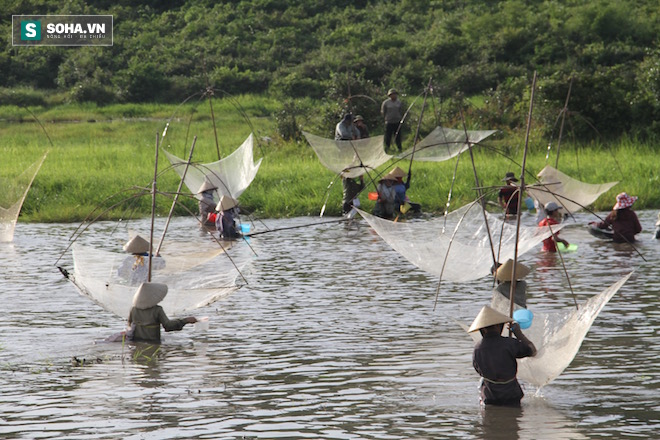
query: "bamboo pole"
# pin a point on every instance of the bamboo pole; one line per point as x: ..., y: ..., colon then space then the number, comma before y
x: 520, y: 191
x: 176, y: 196
x: 153, y: 209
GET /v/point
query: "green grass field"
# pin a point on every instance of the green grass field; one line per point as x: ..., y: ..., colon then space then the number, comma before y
x: 102, y: 152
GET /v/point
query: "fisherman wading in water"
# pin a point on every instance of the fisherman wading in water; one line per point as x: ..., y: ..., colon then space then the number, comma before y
x: 495, y: 357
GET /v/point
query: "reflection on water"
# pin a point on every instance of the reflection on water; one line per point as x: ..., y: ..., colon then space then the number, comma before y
x: 335, y: 336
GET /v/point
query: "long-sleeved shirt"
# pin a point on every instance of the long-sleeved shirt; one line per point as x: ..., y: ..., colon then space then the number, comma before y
x: 495, y: 359
x: 226, y: 225
x: 146, y: 323
x: 624, y: 223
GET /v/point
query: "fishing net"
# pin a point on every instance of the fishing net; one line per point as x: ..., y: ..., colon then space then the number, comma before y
x: 195, y: 277
x: 232, y: 175
x: 444, y: 143
x: 557, y: 336
x: 357, y: 157
x: 12, y: 196
x: 572, y: 194
x: 456, y: 247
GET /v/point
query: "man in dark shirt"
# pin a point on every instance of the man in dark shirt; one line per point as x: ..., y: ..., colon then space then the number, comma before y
x: 509, y: 194
x: 495, y: 357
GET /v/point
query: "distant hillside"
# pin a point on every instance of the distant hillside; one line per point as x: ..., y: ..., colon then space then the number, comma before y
x: 166, y: 50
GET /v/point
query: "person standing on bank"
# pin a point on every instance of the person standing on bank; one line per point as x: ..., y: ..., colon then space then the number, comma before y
x: 361, y: 127
x: 392, y: 111
x: 495, y: 357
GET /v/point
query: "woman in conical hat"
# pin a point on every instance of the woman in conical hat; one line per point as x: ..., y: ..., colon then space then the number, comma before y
x: 622, y: 220
x: 225, y: 223
x: 384, y: 207
x: 398, y: 172
x: 146, y: 316
x: 135, y: 268
x: 206, y: 202
x: 503, y: 288
x: 495, y: 357
x: 136, y: 245
x: 402, y: 202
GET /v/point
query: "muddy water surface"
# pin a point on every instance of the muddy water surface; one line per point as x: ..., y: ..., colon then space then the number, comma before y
x: 334, y: 336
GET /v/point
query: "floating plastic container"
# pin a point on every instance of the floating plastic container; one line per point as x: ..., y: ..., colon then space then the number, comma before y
x: 529, y: 203
x: 202, y: 324
x: 245, y: 228
x: 372, y: 196
x: 523, y: 317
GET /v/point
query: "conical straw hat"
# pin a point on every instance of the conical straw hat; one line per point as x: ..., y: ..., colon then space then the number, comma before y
x: 206, y: 186
x: 397, y: 172
x: 488, y: 317
x: 137, y: 245
x: 504, y: 271
x: 149, y: 294
x: 226, y: 203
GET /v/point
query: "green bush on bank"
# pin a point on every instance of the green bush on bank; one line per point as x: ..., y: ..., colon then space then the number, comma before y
x: 302, y: 49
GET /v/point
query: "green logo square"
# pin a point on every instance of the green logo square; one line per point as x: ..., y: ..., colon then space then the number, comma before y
x: 30, y: 30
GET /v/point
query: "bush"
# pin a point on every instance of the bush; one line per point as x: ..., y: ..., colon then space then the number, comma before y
x: 23, y: 97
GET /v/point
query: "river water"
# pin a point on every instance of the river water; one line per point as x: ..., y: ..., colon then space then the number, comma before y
x: 334, y: 336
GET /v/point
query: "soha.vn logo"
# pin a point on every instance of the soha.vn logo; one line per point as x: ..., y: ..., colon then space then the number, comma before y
x: 30, y: 30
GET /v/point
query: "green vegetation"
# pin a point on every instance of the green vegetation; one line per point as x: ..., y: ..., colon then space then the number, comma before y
x: 484, y: 51
x: 92, y: 161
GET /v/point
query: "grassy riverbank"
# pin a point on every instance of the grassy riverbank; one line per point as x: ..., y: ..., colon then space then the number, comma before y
x: 101, y: 151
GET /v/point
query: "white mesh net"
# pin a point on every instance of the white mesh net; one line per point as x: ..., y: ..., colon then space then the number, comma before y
x: 444, y: 143
x: 195, y: 278
x: 557, y: 336
x: 456, y: 247
x: 566, y: 191
x: 357, y: 157
x: 12, y: 196
x: 232, y: 175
